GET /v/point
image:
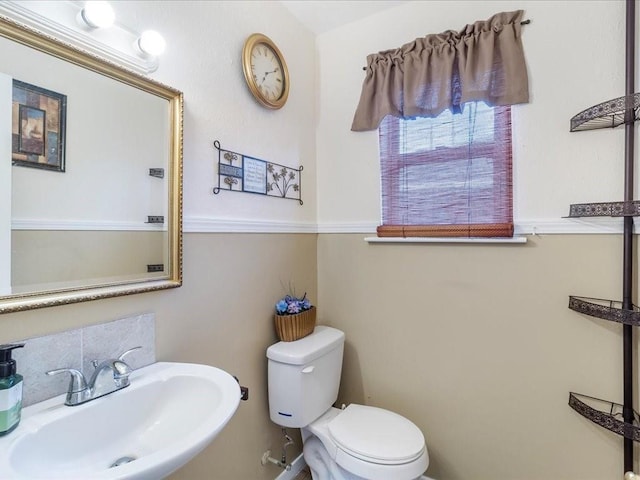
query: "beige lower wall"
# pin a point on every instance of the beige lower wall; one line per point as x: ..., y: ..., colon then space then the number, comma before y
x: 221, y: 316
x: 476, y: 345
x: 59, y: 258
x: 473, y: 343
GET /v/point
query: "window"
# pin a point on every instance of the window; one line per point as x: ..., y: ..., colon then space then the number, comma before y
x: 449, y: 175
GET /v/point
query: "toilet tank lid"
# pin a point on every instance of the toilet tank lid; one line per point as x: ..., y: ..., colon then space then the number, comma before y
x: 322, y: 340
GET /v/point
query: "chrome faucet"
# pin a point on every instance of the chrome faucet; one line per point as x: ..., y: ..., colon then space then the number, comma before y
x: 109, y: 376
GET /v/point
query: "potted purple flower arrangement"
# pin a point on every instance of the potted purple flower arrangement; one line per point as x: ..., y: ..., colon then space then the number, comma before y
x: 295, y: 318
x: 290, y: 305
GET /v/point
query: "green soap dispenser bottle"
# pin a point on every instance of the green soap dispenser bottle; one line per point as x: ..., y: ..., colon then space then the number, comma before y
x: 10, y: 390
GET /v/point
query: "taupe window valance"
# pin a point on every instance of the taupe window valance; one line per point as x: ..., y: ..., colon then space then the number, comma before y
x: 482, y: 62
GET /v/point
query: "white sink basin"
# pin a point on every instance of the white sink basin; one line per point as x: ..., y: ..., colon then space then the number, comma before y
x: 169, y: 413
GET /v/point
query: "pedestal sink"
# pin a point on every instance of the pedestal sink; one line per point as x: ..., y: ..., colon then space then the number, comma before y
x: 169, y: 413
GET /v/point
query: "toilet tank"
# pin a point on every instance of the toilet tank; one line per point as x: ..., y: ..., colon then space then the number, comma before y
x: 304, y: 377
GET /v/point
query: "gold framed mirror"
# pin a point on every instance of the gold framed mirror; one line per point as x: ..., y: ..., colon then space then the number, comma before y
x: 109, y: 222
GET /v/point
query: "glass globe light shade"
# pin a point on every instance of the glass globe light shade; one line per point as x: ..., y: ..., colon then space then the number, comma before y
x: 98, y: 14
x: 151, y: 43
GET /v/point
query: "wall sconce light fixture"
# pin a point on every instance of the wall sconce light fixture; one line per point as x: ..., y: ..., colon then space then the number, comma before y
x: 92, y: 27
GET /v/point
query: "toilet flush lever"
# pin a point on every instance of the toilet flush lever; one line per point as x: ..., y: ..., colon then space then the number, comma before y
x: 244, y: 391
x: 308, y: 369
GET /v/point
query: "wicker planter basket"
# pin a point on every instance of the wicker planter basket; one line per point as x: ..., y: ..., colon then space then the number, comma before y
x: 293, y: 327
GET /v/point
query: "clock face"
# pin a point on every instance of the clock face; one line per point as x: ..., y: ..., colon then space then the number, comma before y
x: 267, y: 72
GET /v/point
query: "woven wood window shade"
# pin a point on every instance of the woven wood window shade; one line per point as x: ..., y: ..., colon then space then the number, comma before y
x: 448, y: 176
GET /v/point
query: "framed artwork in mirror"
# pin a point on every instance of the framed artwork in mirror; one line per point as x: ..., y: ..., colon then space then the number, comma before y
x: 38, y: 127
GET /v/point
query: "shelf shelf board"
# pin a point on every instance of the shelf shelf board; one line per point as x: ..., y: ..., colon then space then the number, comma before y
x: 606, y: 414
x: 605, y: 209
x: 609, y: 114
x: 605, y: 309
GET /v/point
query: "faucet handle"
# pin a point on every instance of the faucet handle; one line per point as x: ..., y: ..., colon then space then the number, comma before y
x: 77, y: 383
x: 127, y: 352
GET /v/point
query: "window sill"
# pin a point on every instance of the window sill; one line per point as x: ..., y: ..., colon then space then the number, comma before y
x: 518, y: 239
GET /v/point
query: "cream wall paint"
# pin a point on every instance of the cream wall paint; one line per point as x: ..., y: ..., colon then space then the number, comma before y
x: 97, y: 167
x: 575, y: 58
x: 204, y: 59
x: 475, y: 343
x: 5, y: 188
x: 222, y: 315
x: 61, y: 259
x: 509, y: 350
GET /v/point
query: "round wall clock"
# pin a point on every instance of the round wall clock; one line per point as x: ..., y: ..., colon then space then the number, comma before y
x: 265, y: 71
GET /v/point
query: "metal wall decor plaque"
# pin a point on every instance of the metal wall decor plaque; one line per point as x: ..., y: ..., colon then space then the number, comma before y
x: 238, y: 172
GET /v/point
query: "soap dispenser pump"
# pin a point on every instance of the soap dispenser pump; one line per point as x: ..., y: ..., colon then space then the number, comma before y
x: 10, y: 390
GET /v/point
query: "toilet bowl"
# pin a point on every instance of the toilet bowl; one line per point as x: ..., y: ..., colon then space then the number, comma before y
x: 366, y: 443
x: 357, y: 442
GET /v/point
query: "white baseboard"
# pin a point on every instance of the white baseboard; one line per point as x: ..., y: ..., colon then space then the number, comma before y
x: 296, y: 466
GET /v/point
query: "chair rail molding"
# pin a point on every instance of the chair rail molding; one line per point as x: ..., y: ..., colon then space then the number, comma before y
x: 538, y: 226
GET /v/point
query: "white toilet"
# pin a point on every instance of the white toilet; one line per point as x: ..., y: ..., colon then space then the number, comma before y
x: 355, y: 443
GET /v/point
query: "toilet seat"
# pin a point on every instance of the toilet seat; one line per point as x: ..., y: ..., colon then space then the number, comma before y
x: 376, y: 435
x: 371, y: 443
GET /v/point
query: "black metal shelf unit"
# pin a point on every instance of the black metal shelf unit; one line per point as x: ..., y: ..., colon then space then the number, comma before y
x: 625, y: 110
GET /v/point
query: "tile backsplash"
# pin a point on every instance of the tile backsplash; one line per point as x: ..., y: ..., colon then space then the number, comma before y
x: 77, y: 349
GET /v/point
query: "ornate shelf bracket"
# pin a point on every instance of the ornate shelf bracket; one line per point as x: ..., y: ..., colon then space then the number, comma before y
x: 609, y: 114
x: 605, y: 209
x: 605, y: 309
x: 607, y: 414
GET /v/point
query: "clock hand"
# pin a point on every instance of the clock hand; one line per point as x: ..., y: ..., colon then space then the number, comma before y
x: 264, y: 78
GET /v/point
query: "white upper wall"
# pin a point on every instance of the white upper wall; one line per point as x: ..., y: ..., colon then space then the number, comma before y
x: 204, y: 59
x: 5, y: 186
x: 115, y: 133
x: 321, y: 16
x: 575, y: 58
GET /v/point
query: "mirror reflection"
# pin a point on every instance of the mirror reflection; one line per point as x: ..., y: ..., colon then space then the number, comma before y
x: 90, y: 191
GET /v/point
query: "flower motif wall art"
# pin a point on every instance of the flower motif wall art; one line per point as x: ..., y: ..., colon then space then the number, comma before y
x: 241, y: 173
